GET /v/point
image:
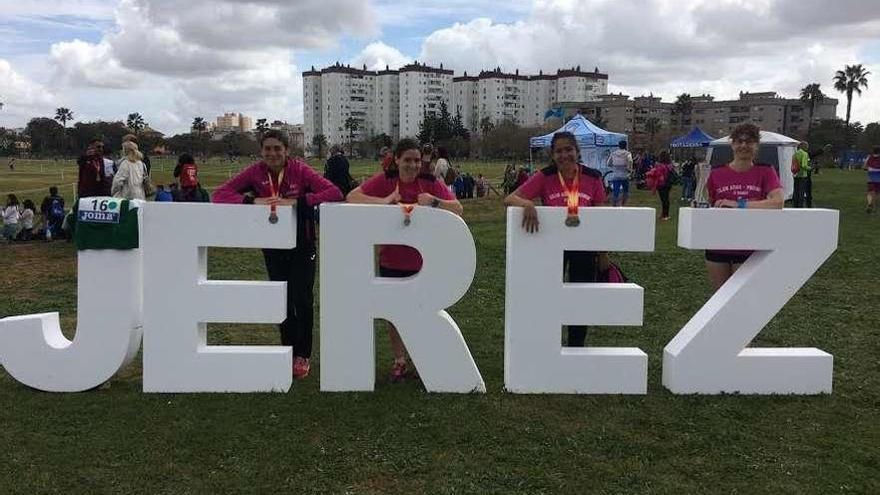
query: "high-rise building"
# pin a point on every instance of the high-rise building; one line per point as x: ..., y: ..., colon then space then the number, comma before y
x: 312, y: 112
x: 387, y: 108
x: 422, y: 91
x: 233, y: 122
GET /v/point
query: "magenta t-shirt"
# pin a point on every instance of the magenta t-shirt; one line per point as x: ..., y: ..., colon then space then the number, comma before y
x: 545, y: 184
x: 753, y: 184
x: 395, y: 256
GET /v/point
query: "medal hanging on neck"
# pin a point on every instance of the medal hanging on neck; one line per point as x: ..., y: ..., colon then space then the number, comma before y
x: 572, y: 196
x: 408, y: 208
x: 275, y: 195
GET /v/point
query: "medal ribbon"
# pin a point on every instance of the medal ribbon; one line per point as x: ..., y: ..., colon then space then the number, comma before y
x: 408, y: 208
x: 572, y: 194
x: 275, y: 192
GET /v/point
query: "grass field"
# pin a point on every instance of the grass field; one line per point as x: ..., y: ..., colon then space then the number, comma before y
x: 402, y: 440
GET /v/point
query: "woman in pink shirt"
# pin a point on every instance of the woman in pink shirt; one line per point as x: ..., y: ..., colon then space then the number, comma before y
x: 278, y: 180
x: 556, y: 185
x: 741, y: 183
x: 406, y: 185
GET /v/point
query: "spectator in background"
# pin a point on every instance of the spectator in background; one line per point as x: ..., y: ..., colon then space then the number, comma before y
x: 27, y: 221
x: 190, y: 188
x: 621, y: 163
x: 146, y: 159
x: 387, y: 158
x: 131, y: 180
x: 11, y: 216
x: 110, y: 166
x: 338, y: 171
x: 803, y: 183
x: 469, y: 184
x: 661, y: 180
x: 482, y: 186
x: 164, y: 195
x: 427, y: 160
x: 872, y: 165
x: 521, y: 177
x: 689, y: 178
x: 91, y: 180
x: 441, y: 166
x: 12, y: 164
x: 52, y: 209
x: 509, y: 183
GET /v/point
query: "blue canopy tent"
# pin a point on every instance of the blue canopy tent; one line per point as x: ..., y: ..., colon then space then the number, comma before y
x: 694, y: 139
x: 594, y: 142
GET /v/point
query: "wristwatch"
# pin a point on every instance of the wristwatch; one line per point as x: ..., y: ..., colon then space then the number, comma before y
x: 435, y: 203
x: 741, y: 202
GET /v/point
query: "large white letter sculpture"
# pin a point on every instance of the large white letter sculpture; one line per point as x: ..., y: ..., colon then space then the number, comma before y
x: 108, y: 329
x: 414, y: 305
x: 709, y: 356
x: 538, y: 304
x: 179, y: 301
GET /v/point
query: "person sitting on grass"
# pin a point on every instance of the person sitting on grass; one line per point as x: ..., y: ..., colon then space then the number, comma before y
x: 404, y: 185
x: 27, y: 221
x: 741, y: 183
x: 11, y: 215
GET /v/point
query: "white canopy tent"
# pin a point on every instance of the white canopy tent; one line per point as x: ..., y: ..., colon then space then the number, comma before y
x: 776, y: 150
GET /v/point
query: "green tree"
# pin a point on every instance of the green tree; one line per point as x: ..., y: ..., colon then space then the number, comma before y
x: 46, y: 136
x: 63, y: 115
x: 652, y: 127
x: 458, y: 128
x: 835, y: 132
x: 319, y: 143
x: 135, y: 123
x: 262, y: 126
x: 682, y: 108
x: 870, y: 137
x: 351, y: 125
x: 811, y: 94
x: 199, y: 125
x: 851, y: 80
x: 486, y: 126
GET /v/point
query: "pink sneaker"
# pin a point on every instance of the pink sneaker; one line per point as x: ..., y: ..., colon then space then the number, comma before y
x: 398, y: 371
x: 300, y: 367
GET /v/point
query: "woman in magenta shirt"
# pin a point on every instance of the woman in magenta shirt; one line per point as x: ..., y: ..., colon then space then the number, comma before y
x: 407, y: 186
x: 555, y: 186
x: 741, y: 183
x: 278, y: 180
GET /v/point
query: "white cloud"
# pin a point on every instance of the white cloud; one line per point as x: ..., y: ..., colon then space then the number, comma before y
x: 22, y: 98
x: 378, y: 56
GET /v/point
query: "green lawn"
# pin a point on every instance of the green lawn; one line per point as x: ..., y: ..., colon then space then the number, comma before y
x: 402, y: 440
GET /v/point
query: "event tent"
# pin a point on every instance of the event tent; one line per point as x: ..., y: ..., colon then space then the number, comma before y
x: 694, y: 139
x: 776, y: 150
x: 594, y: 142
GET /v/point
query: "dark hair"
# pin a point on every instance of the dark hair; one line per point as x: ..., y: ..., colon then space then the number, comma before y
x: 565, y: 135
x: 29, y: 205
x: 664, y: 157
x: 185, y: 159
x: 876, y: 150
x: 96, y: 140
x: 622, y: 145
x: 274, y: 134
x: 749, y: 131
x: 405, y: 145
x: 442, y: 153
x: 53, y: 191
x: 11, y: 200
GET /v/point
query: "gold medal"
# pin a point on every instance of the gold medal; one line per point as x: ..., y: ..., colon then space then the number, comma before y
x: 273, y: 218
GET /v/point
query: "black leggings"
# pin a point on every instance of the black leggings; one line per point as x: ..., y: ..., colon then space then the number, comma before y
x: 663, y: 192
x: 580, y: 266
x: 297, y: 268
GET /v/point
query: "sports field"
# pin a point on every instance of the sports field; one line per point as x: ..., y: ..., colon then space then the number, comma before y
x: 403, y: 440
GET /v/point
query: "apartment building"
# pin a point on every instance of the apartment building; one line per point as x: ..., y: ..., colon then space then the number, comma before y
x: 421, y: 90
x: 233, y: 122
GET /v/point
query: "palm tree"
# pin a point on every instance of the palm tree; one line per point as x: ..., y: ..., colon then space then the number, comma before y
x: 262, y: 126
x: 319, y: 141
x: 851, y: 80
x: 682, y: 107
x: 199, y: 125
x: 811, y: 95
x: 135, y: 123
x: 63, y: 115
x: 352, y: 125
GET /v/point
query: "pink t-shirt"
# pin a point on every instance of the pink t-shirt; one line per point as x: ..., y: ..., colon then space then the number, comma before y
x: 395, y: 256
x: 545, y: 184
x: 753, y: 184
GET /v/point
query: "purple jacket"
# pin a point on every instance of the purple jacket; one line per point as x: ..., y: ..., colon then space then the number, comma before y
x: 299, y: 182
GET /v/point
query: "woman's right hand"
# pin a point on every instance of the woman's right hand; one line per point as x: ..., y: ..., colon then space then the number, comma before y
x: 394, y: 197
x: 530, y: 218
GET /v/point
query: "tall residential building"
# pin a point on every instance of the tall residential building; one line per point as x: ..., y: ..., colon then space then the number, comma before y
x: 422, y: 90
x: 312, y: 124
x: 387, y: 106
x: 347, y: 93
x: 501, y: 96
x: 464, y: 100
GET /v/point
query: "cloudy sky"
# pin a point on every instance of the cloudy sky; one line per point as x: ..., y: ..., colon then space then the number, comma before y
x: 172, y: 61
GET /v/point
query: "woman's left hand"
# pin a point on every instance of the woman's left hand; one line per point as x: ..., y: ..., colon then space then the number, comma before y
x: 725, y: 203
x: 425, y: 199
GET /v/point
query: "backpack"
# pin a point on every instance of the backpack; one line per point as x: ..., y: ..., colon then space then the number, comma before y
x: 56, y: 209
x: 189, y: 175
